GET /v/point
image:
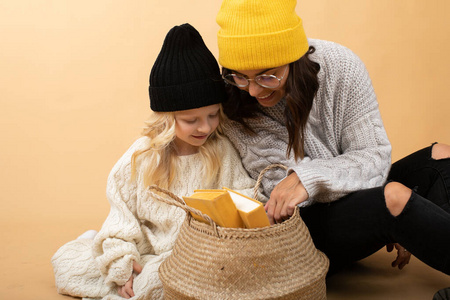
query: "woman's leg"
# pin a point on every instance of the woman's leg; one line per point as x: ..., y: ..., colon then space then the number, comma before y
x: 350, y: 228
x: 419, y: 225
x: 360, y: 224
x: 427, y: 172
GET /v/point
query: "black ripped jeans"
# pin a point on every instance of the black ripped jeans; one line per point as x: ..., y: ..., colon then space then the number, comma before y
x: 360, y: 224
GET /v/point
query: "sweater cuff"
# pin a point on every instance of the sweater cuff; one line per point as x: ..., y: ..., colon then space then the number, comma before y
x: 120, y: 270
x: 310, y: 180
x: 116, y: 263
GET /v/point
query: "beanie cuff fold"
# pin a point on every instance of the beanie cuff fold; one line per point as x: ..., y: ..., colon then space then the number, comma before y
x: 262, y: 51
x: 187, y: 96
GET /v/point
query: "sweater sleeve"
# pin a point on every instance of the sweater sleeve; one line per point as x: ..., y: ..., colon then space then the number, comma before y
x: 355, y: 132
x: 346, y: 145
x: 115, y: 245
x: 233, y: 175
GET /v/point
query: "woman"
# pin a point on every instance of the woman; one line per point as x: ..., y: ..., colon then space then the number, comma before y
x: 310, y: 105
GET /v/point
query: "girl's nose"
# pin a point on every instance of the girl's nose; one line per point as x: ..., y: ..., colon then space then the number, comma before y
x: 204, y: 127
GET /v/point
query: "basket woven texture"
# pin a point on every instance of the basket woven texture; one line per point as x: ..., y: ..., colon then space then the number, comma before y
x: 213, y: 262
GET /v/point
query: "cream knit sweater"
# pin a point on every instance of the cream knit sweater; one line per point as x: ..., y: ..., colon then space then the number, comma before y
x: 346, y: 145
x: 137, y: 228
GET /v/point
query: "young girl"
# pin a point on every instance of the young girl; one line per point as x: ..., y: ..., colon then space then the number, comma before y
x: 310, y: 105
x: 182, y: 150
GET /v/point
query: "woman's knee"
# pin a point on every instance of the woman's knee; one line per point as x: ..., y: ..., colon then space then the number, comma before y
x: 440, y: 151
x: 396, y: 196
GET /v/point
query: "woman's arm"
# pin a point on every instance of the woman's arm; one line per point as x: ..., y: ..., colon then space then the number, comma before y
x: 346, y: 141
x: 233, y: 175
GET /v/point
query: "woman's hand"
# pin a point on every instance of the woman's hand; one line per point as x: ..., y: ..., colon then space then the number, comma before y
x: 126, y: 290
x: 284, y: 198
x: 403, y: 255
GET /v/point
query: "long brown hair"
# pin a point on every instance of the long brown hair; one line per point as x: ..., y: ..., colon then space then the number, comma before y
x: 301, y: 88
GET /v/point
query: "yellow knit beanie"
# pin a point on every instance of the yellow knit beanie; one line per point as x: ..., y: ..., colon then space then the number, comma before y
x: 259, y: 34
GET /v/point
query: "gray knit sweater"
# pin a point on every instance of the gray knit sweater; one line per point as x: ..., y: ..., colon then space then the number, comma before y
x: 346, y: 145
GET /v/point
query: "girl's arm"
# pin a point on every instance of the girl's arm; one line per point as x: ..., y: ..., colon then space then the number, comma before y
x: 115, y: 246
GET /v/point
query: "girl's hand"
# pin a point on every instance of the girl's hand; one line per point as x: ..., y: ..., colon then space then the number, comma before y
x: 126, y: 290
x: 403, y: 255
x: 284, y: 198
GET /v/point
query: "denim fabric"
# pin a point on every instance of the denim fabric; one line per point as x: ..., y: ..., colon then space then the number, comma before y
x: 359, y: 224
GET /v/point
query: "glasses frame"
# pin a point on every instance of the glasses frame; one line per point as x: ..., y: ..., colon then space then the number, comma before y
x: 232, y: 82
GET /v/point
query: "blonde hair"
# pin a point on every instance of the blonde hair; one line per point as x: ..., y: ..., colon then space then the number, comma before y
x: 158, y: 160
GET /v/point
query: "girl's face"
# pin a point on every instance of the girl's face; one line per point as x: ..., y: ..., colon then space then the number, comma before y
x: 265, y: 96
x: 194, y: 126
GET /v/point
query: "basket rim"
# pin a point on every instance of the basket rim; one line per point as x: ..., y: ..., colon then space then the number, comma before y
x: 228, y: 232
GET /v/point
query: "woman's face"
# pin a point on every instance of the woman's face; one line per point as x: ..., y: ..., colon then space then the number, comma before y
x: 265, y: 96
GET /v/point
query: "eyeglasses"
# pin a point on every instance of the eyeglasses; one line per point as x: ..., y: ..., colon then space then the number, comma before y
x: 266, y: 81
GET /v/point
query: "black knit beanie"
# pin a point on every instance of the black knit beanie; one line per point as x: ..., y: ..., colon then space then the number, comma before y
x: 185, y: 74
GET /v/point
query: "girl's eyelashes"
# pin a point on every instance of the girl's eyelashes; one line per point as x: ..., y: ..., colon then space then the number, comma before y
x: 192, y: 121
x: 185, y: 119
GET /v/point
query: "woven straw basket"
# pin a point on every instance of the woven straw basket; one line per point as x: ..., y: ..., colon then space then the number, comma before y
x: 213, y: 262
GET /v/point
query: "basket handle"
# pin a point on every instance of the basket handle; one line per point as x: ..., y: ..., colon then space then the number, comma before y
x: 177, y: 201
x: 261, y: 175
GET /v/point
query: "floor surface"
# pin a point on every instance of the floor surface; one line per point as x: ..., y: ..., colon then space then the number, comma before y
x: 26, y: 273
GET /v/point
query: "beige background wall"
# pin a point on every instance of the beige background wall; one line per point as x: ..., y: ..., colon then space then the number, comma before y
x: 74, y: 76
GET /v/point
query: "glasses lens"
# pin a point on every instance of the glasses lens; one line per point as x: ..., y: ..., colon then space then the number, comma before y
x: 269, y: 81
x: 237, y: 80
x: 229, y: 79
